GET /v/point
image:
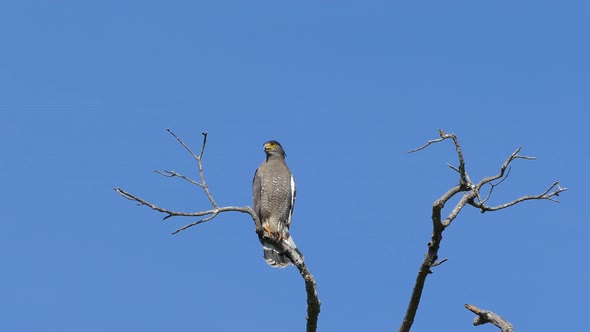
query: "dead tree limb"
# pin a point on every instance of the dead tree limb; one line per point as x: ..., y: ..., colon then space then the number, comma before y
x: 313, y: 302
x: 486, y: 316
x: 471, y: 195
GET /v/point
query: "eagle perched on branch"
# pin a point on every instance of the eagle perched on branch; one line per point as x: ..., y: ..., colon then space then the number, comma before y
x: 273, y: 191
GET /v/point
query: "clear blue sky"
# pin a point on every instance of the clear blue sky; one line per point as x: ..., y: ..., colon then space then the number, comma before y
x: 88, y: 89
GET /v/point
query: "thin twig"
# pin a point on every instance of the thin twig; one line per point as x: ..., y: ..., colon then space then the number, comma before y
x: 432, y: 141
x: 202, y: 175
x: 545, y: 195
x: 185, y: 146
x: 454, y: 168
x: 170, y: 213
x: 462, y: 171
x: 196, y: 223
x: 439, y: 262
x: 203, y: 146
x: 198, y: 158
x: 171, y: 174
x: 505, y: 165
x: 443, y: 136
x: 492, y: 186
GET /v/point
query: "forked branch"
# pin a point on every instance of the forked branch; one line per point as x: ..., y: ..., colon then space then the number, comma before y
x: 470, y: 195
x: 313, y: 302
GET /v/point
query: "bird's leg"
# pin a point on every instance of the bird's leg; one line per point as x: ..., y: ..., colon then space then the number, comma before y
x: 279, y: 233
x: 276, y: 234
x: 267, y: 229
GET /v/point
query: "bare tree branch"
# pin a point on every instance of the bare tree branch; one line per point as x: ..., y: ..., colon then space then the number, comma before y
x: 505, y: 165
x: 432, y: 141
x: 198, y: 158
x: 547, y: 194
x: 470, y: 196
x: 493, y: 185
x: 439, y: 262
x: 313, y: 302
x: 171, y: 174
x: 429, y: 259
x: 485, y: 316
x: 169, y: 213
x: 444, y: 136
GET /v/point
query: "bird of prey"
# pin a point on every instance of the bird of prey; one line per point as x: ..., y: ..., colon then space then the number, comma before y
x: 273, y: 191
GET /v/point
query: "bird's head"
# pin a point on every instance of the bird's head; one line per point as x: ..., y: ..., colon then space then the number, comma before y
x: 274, y: 148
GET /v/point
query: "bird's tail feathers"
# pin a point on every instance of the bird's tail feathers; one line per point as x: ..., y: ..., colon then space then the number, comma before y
x: 274, y: 256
